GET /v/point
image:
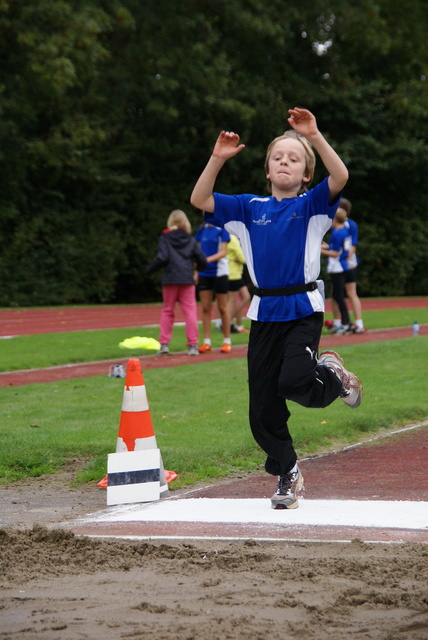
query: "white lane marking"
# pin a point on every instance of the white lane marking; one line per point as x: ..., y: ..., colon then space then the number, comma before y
x: 350, y: 513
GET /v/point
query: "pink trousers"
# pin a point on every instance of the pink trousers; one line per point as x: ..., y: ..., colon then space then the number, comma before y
x: 185, y: 295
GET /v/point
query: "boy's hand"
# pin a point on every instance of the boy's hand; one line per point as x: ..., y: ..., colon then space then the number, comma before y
x: 303, y: 122
x: 227, y: 145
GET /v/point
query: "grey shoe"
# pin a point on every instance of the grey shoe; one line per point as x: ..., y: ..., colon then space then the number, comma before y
x: 193, y: 350
x: 288, y: 487
x: 117, y: 371
x: 352, y: 389
x: 338, y: 331
x: 359, y: 330
x: 164, y: 350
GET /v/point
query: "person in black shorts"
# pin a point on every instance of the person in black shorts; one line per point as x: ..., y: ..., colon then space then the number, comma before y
x: 214, y: 280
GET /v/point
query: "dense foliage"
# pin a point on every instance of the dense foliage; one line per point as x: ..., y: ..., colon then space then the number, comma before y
x: 109, y: 110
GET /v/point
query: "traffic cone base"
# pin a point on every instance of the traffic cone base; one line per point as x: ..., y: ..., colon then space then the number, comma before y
x: 103, y: 483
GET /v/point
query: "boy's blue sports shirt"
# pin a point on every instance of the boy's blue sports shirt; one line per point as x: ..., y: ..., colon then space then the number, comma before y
x: 281, y: 241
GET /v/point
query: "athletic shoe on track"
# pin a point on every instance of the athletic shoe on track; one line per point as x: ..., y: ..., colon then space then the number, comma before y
x: 164, y: 350
x: 242, y: 330
x: 193, y: 350
x: 352, y: 389
x: 337, y: 331
x: 117, y: 371
x: 205, y: 348
x: 359, y: 330
x: 226, y: 347
x: 289, y: 485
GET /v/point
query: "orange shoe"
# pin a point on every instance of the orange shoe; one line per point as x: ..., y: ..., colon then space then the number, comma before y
x: 243, y: 330
x: 226, y: 347
x: 205, y: 348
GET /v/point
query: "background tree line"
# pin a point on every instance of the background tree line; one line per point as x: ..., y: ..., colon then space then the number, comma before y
x: 110, y: 108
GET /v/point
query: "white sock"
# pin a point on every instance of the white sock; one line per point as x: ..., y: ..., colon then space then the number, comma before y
x: 207, y: 340
x: 359, y: 324
x: 227, y: 341
x: 337, y: 323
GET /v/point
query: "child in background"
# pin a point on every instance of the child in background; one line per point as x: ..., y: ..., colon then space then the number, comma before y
x: 239, y: 296
x: 351, y: 274
x: 337, y: 251
x: 214, y: 279
x: 281, y: 237
x: 178, y: 254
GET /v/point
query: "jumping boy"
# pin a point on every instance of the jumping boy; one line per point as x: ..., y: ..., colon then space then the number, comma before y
x: 281, y: 237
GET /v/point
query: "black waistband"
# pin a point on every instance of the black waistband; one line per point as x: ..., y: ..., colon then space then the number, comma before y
x: 287, y: 291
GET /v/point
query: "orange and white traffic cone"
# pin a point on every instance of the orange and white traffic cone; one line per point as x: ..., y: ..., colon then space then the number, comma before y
x: 136, y: 428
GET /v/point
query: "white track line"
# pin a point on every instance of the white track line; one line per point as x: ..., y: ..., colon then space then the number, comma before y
x: 348, y: 513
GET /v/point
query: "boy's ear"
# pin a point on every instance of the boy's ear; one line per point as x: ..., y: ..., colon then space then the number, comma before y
x: 306, y: 179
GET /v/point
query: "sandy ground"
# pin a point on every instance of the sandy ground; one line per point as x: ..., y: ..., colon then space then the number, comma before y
x: 56, y: 585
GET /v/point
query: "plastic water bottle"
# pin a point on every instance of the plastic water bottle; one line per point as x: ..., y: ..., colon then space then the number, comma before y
x: 415, y: 328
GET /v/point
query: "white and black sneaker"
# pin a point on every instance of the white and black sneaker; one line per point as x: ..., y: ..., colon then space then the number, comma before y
x: 193, y: 350
x: 117, y: 371
x: 352, y: 389
x: 337, y: 330
x: 164, y: 350
x: 289, y: 485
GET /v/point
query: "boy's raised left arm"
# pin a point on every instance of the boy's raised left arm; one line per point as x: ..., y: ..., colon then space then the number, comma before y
x: 304, y: 123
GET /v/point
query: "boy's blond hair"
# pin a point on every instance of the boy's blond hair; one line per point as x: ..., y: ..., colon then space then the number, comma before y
x: 177, y: 219
x: 309, y: 158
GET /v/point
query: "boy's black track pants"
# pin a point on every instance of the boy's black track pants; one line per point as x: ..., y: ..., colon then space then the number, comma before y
x: 283, y: 365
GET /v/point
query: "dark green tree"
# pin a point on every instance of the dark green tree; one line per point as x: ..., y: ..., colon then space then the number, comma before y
x: 109, y: 109
x: 60, y: 201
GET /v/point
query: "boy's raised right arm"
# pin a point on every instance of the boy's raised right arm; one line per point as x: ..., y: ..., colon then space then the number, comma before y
x: 226, y: 146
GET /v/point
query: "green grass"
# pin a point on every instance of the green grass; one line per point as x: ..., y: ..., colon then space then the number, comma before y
x: 391, y: 318
x: 200, y: 415
x: 51, y: 349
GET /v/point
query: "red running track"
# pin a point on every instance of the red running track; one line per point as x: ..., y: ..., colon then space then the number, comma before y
x: 33, y: 321
x: 88, y: 369
x: 16, y: 322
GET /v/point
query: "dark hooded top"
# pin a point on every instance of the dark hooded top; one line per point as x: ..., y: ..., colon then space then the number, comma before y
x: 178, y: 253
